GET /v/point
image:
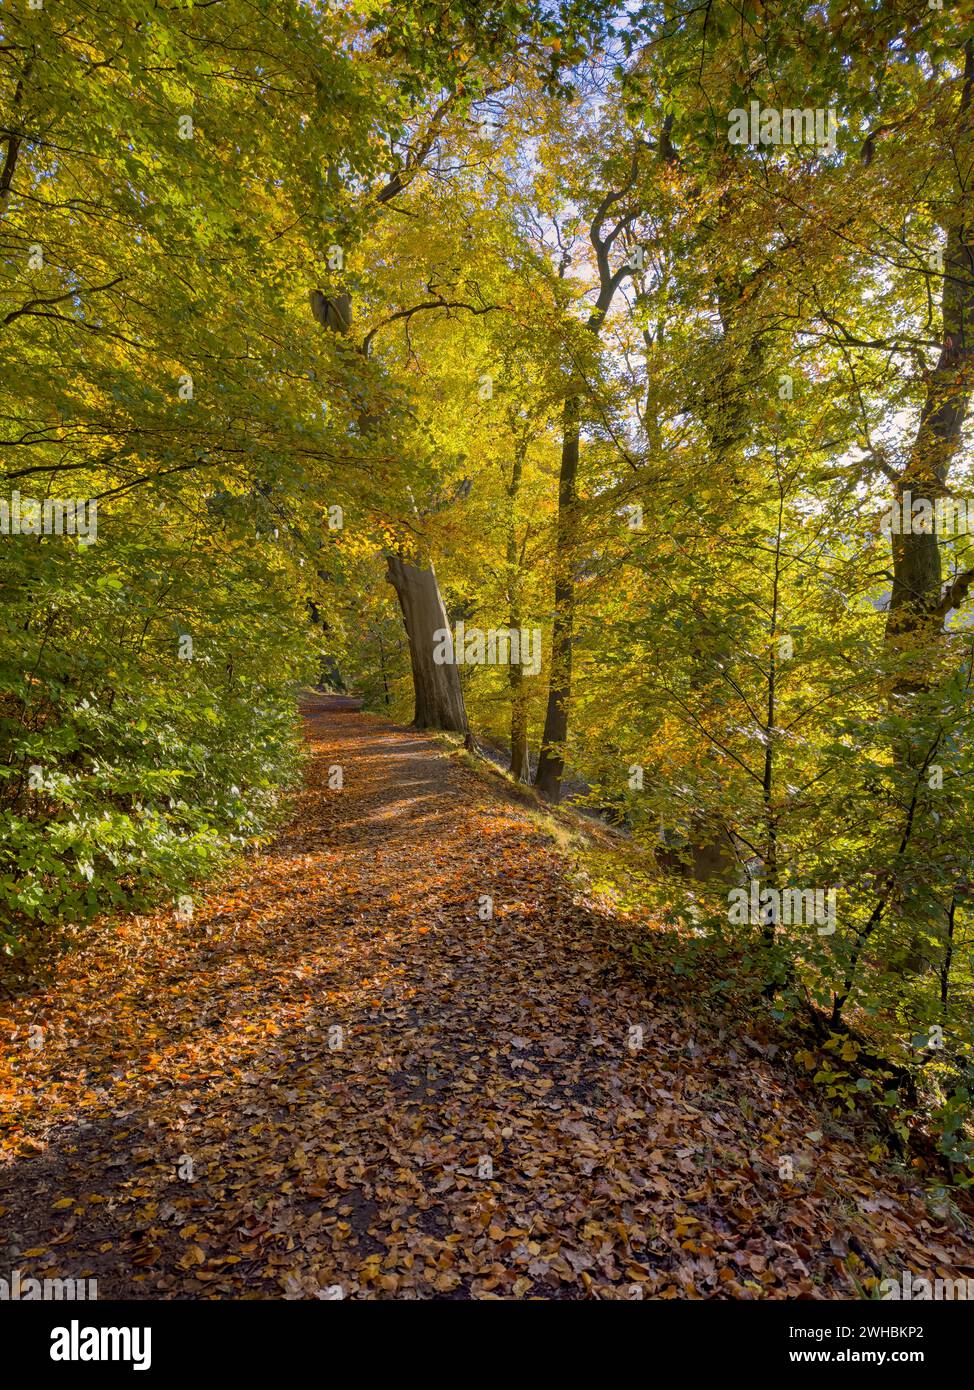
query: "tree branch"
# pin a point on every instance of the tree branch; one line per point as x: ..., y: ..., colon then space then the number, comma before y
x: 437, y: 303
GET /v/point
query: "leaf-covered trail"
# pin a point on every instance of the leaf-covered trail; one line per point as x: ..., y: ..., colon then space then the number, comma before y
x: 195, y: 1124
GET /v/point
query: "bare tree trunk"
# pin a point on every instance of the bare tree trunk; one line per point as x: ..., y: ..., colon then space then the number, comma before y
x: 917, y: 606
x: 439, y: 695
x: 551, y: 763
x: 520, y: 762
x: 382, y: 669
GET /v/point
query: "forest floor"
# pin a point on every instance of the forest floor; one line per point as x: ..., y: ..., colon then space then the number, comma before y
x: 337, y: 1074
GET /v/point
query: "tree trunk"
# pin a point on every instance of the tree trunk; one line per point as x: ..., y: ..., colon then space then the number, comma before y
x: 917, y: 606
x: 918, y: 603
x: 520, y: 762
x: 382, y: 670
x: 439, y: 695
x: 551, y: 763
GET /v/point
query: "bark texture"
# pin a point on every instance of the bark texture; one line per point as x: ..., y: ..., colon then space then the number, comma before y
x: 918, y: 605
x: 439, y: 694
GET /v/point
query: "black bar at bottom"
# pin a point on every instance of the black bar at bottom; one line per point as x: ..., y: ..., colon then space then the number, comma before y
x: 713, y: 1338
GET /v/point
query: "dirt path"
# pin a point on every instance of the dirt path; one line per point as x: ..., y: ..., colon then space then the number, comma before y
x: 338, y: 1075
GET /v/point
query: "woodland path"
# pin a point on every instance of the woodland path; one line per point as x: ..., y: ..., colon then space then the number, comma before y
x: 484, y: 1129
